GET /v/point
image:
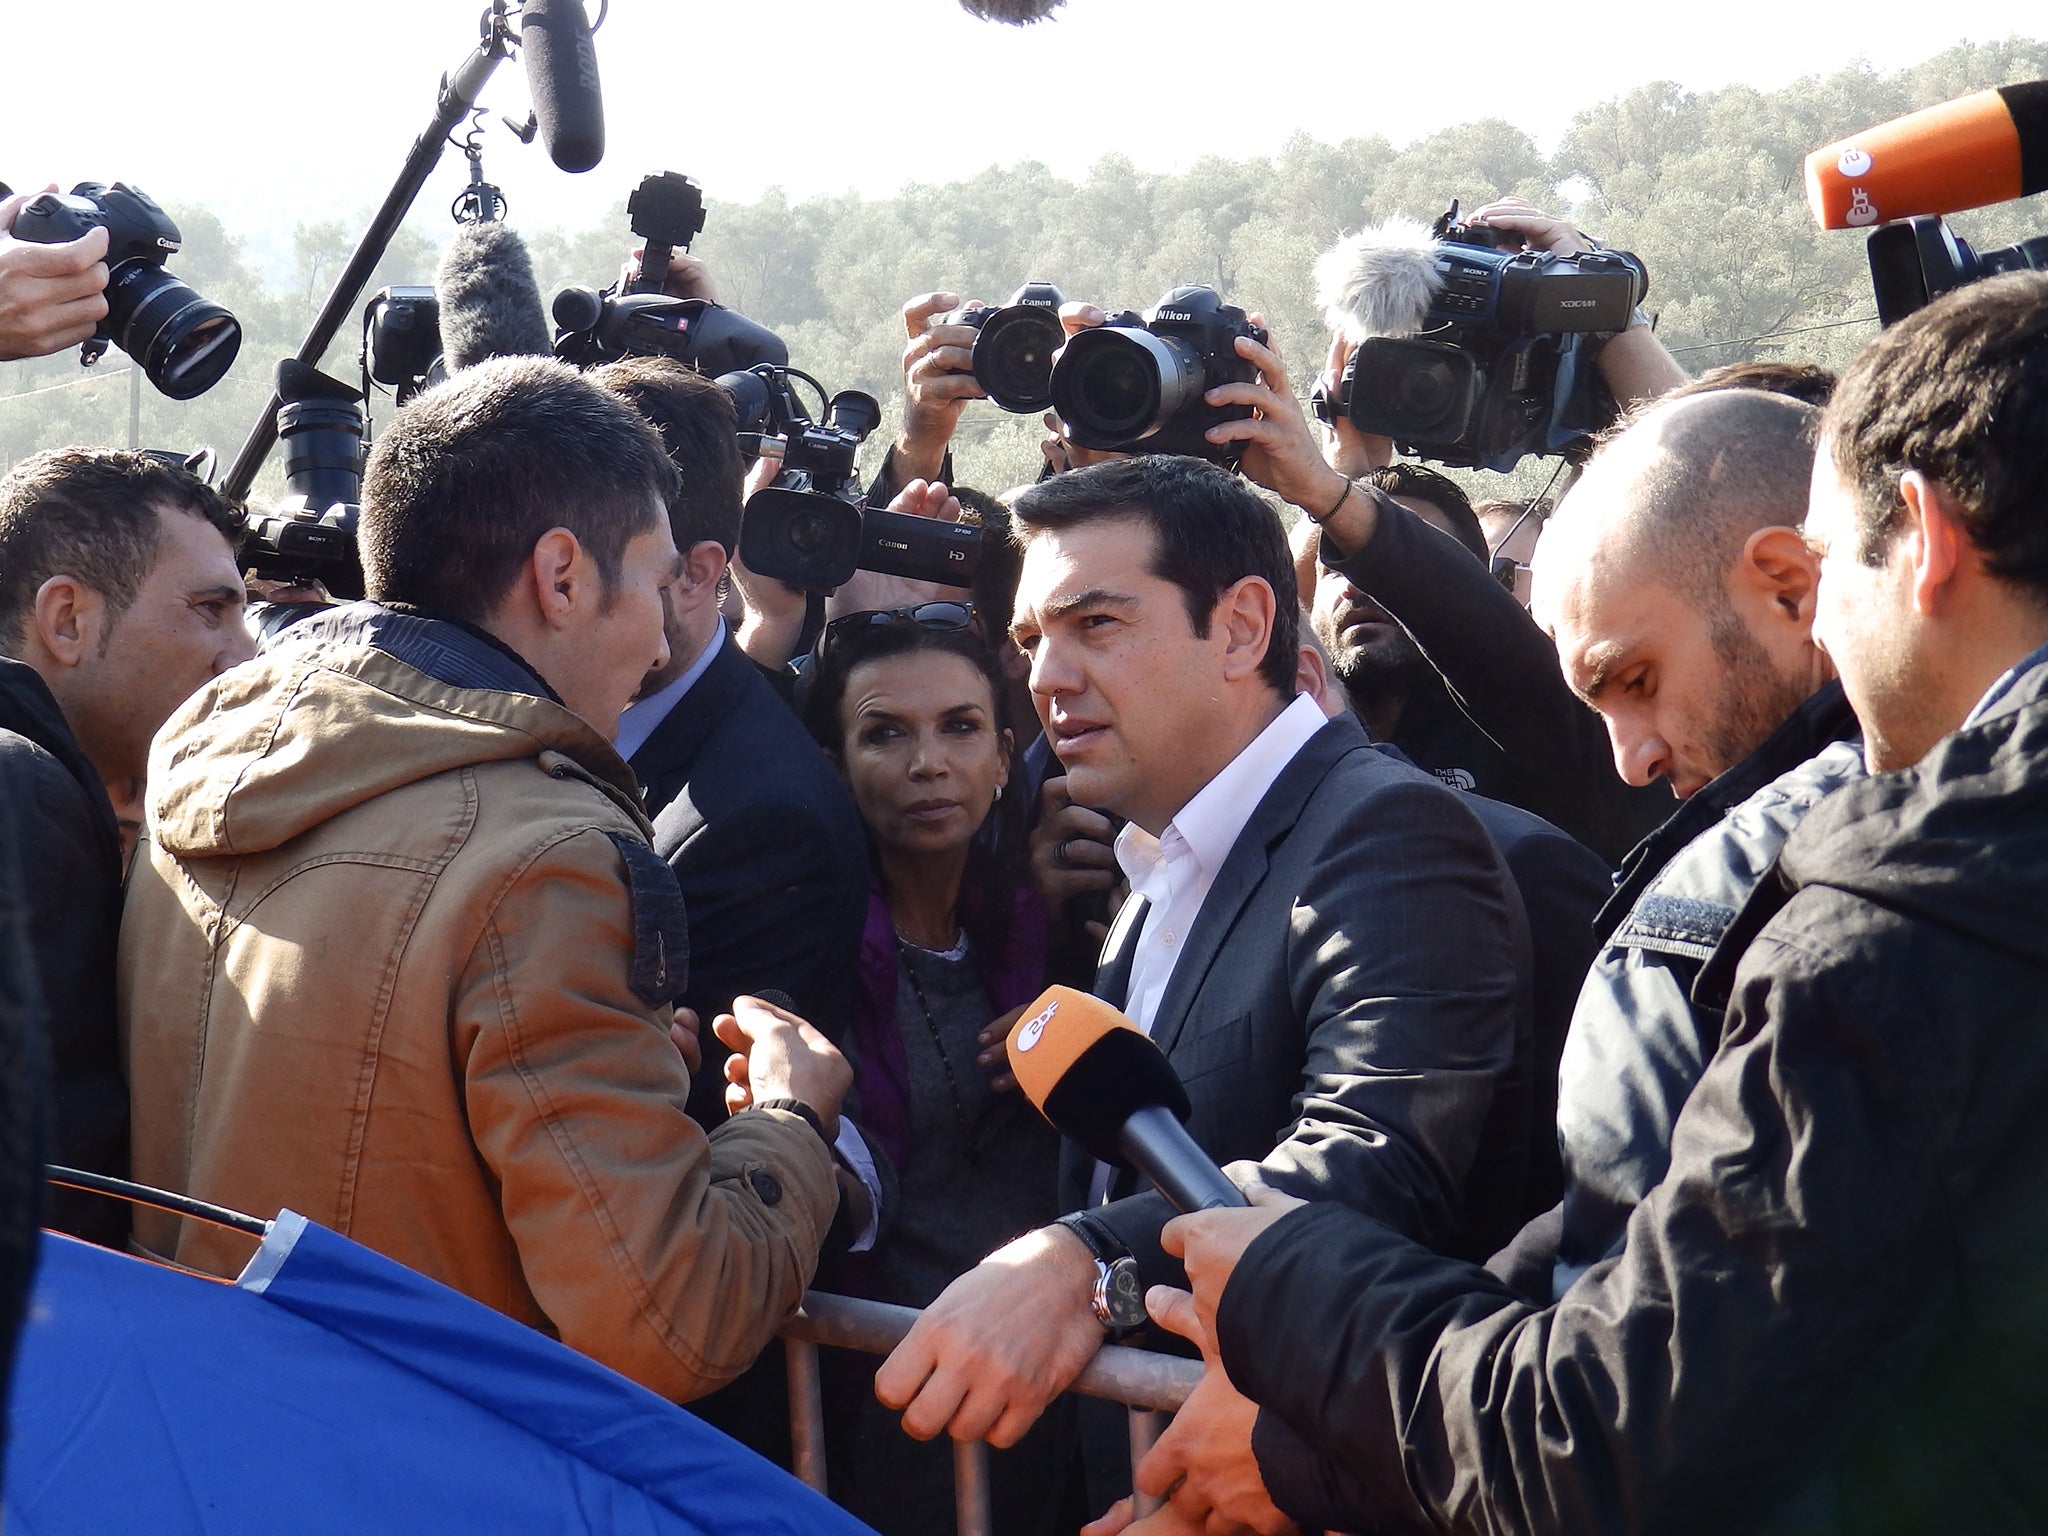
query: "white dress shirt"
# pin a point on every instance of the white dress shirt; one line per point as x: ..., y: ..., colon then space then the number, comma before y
x: 1176, y: 870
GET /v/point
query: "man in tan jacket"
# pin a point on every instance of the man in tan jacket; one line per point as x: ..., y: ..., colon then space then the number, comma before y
x: 400, y: 958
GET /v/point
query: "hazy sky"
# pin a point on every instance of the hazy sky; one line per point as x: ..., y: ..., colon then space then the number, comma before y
x: 275, y: 110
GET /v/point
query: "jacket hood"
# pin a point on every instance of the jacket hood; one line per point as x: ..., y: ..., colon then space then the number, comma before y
x: 333, y: 718
x: 1960, y: 840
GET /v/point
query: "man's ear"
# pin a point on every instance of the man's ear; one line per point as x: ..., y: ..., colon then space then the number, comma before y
x: 1245, y: 612
x: 703, y: 563
x: 1779, y: 565
x: 1935, y: 539
x: 561, y: 575
x: 69, y: 620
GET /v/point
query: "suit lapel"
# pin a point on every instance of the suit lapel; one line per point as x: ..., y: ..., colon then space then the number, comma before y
x: 1113, y: 970
x: 671, y: 746
x: 1244, y: 868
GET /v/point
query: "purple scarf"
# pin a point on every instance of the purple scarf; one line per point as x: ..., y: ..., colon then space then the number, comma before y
x: 882, y: 1069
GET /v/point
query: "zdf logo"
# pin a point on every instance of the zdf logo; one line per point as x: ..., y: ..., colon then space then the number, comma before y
x: 1034, y: 1029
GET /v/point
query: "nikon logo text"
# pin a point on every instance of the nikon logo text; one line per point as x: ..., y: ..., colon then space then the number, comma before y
x: 1032, y: 1032
x: 1173, y: 314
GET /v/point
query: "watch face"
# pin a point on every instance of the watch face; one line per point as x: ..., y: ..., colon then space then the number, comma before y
x: 1123, y: 1295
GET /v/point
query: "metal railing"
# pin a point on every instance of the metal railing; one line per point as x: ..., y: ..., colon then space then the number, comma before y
x: 1150, y: 1385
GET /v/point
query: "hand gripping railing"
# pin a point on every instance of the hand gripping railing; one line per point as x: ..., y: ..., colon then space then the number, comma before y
x: 1151, y: 1385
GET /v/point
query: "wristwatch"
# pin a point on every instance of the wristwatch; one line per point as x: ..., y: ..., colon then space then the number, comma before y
x: 1119, y: 1294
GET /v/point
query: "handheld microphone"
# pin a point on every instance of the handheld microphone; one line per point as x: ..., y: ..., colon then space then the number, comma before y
x: 1380, y: 281
x: 561, y: 76
x: 489, y: 303
x: 1104, y: 1084
x: 1990, y: 147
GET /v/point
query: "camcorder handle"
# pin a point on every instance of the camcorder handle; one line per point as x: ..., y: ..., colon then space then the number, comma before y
x: 460, y: 89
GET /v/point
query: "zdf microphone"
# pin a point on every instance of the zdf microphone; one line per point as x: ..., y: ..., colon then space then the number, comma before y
x: 561, y: 77
x: 1990, y: 147
x: 1104, y: 1084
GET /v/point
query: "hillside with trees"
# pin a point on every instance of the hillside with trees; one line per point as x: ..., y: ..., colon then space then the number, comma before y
x: 1705, y: 186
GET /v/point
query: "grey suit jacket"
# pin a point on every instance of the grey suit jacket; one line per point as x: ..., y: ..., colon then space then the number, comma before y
x: 1351, y: 1008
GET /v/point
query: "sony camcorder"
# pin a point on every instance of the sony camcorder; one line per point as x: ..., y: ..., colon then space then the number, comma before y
x: 311, y: 536
x: 1493, y: 361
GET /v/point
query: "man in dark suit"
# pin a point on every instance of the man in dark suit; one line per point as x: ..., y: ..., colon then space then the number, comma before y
x: 757, y: 825
x: 1323, y: 940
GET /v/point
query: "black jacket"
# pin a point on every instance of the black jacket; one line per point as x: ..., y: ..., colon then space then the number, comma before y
x: 768, y: 849
x: 1828, y: 1315
x: 1550, y: 752
x: 71, y: 850
x: 1350, y: 1007
x: 1639, y: 1040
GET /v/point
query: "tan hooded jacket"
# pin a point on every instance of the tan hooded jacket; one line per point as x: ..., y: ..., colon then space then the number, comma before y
x: 377, y: 967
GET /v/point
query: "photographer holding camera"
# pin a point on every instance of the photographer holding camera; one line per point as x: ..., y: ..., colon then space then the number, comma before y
x: 51, y: 296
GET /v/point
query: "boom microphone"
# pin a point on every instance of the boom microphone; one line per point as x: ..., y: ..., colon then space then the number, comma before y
x: 490, y: 305
x: 1104, y: 1084
x: 1380, y: 281
x: 561, y: 77
x: 1987, y: 148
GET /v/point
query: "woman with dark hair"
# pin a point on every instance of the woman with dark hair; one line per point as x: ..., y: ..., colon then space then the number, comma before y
x: 910, y: 704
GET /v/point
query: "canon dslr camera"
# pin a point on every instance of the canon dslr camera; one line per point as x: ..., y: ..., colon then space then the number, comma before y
x: 182, y: 342
x: 1014, y: 346
x: 1499, y: 367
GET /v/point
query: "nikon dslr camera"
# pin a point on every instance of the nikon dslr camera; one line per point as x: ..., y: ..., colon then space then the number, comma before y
x: 182, y: 342
x: 1135, y: 384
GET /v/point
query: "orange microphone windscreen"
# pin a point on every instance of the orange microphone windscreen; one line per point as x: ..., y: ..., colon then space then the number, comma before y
x: 1990, y: 147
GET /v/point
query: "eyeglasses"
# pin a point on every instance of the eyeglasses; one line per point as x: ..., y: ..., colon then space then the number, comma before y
x: 940, y: 617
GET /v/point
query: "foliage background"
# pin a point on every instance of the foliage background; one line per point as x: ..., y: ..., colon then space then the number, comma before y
x: 1706, y: 186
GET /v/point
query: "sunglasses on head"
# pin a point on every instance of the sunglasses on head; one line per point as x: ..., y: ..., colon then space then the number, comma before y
x: 934, y: 616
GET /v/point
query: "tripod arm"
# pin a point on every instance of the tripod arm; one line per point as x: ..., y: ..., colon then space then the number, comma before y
x: 459, y: 92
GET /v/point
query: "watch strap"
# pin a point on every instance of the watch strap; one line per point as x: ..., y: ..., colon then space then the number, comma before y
x: 1097, y: 1238
x: 803, y: 1112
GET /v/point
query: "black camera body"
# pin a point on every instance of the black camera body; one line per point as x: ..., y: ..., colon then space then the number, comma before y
x: 812, y: 527
x: 1135, y: 384
x: 1917, y: 260
x: 403, y: 337
x: 184, y: 343
x: 311, y: 537
x: 598, y: 327
x: 1014, y: 346
x: 1499, y: 367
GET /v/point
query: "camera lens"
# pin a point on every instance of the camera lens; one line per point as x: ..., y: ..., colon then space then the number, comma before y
x: 1013, y: 357
x: 184, y: 343
x: 810, y: 534
x: 1423, y: 394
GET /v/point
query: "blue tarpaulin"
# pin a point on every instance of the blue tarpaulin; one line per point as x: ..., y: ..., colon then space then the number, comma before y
x: 332, y: 1390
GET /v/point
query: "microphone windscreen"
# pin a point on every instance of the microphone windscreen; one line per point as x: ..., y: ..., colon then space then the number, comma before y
x: 1380, y: 281
x: 1016, y: 13
x: 1989, y: 147
x: 490, y: 305
x: 561, y: 77
x: 1089, y: 1069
